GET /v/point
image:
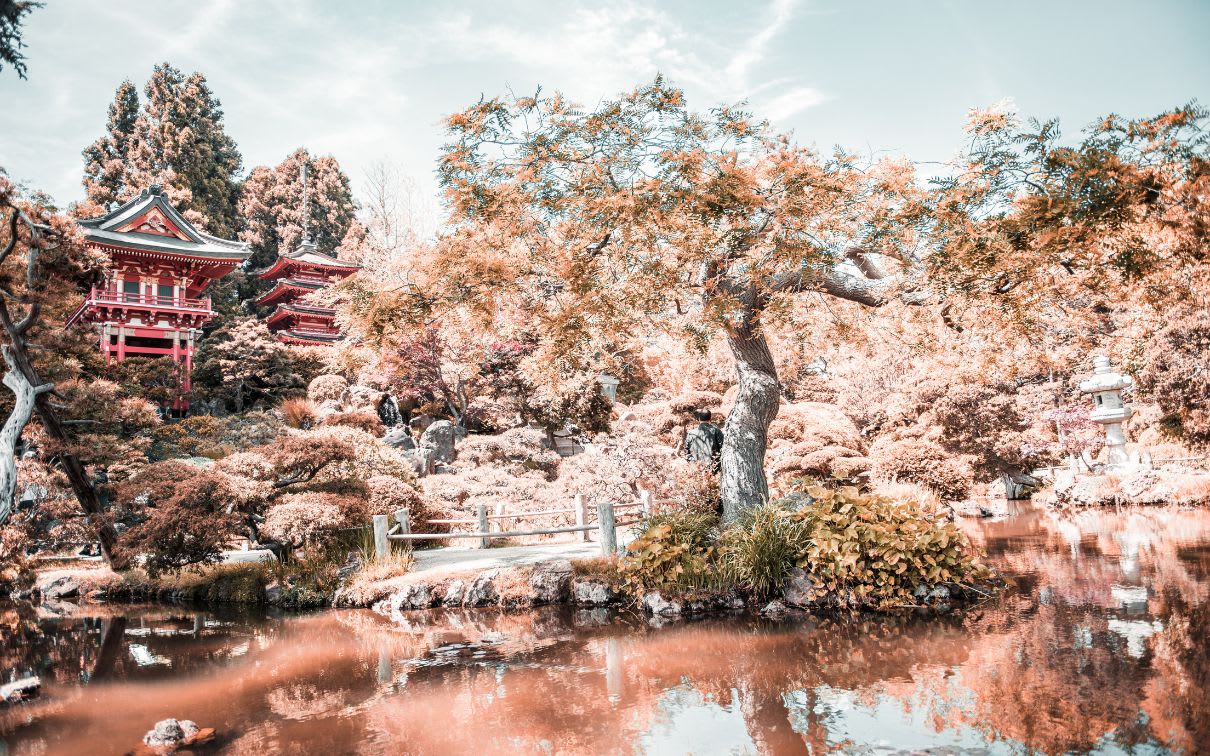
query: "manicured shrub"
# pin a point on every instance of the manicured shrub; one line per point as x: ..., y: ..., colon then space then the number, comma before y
x: 312, y: 519
x: 182, y: 515
x: 361, y: 420
x: 327, y: 388
x: 521, y: 450
x: 922, y: 461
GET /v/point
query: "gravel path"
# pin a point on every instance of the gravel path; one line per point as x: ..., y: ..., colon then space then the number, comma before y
x: 461, y: 558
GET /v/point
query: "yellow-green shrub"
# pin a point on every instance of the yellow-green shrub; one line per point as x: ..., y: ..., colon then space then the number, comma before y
x: 674, y: 551
x: 866, y: 550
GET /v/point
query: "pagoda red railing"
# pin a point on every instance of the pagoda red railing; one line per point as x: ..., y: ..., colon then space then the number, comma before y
x: 110, y: 297
x: 151, y: 300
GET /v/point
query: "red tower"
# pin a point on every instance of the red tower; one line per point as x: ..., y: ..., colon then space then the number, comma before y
x: 153, y: 303
x: 297, y: 274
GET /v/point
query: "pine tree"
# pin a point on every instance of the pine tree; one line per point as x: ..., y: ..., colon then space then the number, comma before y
x: 271, y: 206
x: 105, y: 166
x: 178, y: 141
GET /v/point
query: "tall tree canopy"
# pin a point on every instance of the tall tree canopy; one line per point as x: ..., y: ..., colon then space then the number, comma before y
x: 105, y: 160
x: 643, y: 214
x: 177, y: 140
x: 272, y: 206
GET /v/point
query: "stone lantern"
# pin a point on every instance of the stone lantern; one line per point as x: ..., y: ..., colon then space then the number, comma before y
x: 609, y: 386
x: 1106, y: 388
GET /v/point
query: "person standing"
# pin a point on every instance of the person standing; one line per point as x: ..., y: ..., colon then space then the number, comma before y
x: 704, y: 443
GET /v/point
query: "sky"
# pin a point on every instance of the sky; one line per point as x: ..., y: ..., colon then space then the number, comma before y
x: 370, y: 82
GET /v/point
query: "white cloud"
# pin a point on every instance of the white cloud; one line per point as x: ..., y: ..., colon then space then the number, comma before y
x: 755, y: 49
x: 789, y: 103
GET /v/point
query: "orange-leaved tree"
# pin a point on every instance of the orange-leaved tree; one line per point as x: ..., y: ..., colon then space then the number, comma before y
x: 596, y: 227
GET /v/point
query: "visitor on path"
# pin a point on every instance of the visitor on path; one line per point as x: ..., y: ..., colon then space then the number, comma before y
x: 704, y: 444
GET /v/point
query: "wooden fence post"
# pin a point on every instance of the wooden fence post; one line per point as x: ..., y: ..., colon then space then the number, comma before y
x: 606, y: 523
x: 404, y: 518
x: 484, y: 542
x: 382, y: 546
x: 581, y: 518
x: 500, y: 513
x: 645, y: 503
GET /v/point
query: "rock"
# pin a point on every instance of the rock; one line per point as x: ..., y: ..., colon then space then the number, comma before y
x: 351, y: 567
x: 273, y: 593
x: 590, y: 591
x: 1147, y: 487
x: 656, y: 604
x: 359, y: 398
x: 421, y: 423
x: 798, y: 589
x: 550, y: 583
x: 733, y: 601
x: 774, y: 608
x: 62, y: 587
x: 921, y: 592
x: 170, y: 733
x: 326, y: 409
x: 482, y: 590
x: 414, y: 596
x: 454, y: 593
x: 437, y: 442
x: 399, y: 438
x: 940, y: 593
x: 702, y: 605
x: 415, y: 459
x: 21, y: 690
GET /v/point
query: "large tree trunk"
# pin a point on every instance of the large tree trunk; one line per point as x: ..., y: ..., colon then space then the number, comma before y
x: 746, y: 433
x: 26, y: 393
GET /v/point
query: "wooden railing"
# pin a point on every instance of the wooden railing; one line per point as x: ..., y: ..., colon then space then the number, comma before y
x: 606, y: 524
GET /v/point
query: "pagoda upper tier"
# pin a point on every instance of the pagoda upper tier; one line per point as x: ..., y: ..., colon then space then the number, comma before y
x: 296, y: 275
x: 152, y: 302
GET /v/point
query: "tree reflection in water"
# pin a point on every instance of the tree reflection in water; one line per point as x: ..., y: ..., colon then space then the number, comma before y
x: 1102, y: 642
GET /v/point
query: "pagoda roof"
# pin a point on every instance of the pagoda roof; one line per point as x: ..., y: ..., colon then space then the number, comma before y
x: 151, y: 225
x: 293, y: 309
x: 308, y: 256
x: 287, y: 286
x: 291, y: 336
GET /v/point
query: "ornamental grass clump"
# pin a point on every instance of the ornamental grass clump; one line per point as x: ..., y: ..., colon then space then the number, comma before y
x: 867, y: 551
x: 761, y: 548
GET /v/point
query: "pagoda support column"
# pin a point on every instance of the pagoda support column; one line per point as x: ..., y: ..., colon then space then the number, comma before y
x: 121, y: 342
x: 188, y: 359
x: 106, y: 348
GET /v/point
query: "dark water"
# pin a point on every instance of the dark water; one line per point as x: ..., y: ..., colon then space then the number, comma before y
x: 1103, y: 645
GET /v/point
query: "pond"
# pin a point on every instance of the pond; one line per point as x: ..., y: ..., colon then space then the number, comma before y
x: 1102, y: 644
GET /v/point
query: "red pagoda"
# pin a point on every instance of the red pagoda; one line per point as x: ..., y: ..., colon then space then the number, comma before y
x: 297, y: 274
x: 152, y: 303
